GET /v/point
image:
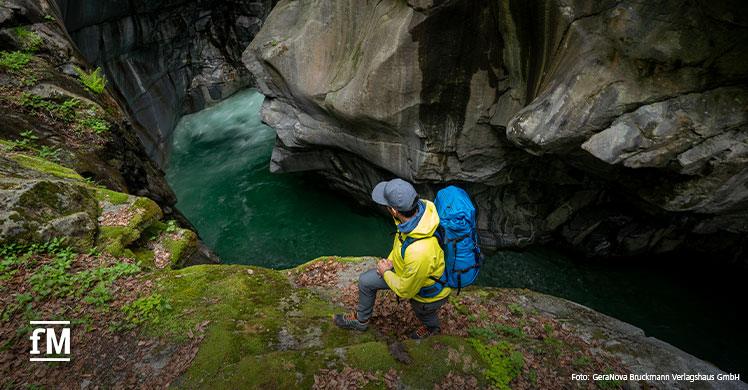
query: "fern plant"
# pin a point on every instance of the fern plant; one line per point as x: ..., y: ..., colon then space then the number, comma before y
x: 14, y: 61
x: 94, y: 81
x: 30, y: 41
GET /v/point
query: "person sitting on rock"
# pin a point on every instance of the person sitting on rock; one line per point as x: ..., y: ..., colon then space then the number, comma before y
x: 409, y: 277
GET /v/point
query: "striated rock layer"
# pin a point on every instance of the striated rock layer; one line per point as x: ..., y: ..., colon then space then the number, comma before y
x: 167, y: 57
x: 616, y: 128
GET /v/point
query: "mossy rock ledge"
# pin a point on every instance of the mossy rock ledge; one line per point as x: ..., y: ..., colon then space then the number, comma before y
x: 43, y: 200
x: 273, y: 329
x: 233, y: 326
x: 159, y: 322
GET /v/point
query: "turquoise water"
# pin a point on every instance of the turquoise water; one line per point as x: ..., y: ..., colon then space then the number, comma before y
x: 219, y: 171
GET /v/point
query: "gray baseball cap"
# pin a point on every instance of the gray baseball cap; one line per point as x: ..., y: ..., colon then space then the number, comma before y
x: 396, y: 193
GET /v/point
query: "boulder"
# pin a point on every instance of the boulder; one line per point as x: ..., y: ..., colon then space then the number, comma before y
x: 41, y: 207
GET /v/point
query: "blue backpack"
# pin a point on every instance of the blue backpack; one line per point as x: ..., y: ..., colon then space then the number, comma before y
x: 458, y: 239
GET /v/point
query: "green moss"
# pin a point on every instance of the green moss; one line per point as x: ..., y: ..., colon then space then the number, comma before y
x: 504, y: 362
x: 342, y: 259
x: 7, y: 145
x: 255, y: 314
x: 372, y: 356
x: 145, y: 258
x: 42, y: 165
x: 149, y: 309
x: 234, y: 293
x: 113, y: 197
x: 181, y: 248
x: 114, y: 239
x: 148, y: 213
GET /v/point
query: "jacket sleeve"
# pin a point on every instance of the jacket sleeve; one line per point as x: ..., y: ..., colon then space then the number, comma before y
x: 415, y: 271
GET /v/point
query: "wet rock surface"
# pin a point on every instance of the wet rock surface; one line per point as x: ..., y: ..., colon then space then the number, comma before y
x: 614, y: 128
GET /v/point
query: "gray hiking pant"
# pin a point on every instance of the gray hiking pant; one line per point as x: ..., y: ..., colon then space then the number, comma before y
x: 370, y: 282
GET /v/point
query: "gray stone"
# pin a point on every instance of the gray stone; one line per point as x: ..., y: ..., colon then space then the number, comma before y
x: 166, y: 58
x: 38, y: 208
x: 573, y: 122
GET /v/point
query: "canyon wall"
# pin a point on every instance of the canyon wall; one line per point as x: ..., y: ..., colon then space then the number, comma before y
x: 168, y: 57
x: 614, y: 128
x: 45, y: 101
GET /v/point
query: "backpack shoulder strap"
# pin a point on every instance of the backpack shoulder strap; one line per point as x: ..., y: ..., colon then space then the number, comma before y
x: 406, y: 243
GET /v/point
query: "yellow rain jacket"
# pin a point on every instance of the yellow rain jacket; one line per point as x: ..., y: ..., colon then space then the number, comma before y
x: 423, y: 258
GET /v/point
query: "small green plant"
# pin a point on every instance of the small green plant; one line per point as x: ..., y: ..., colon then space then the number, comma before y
x: 492, y: 332
x: 171, y: 226
x: 29, y: 40
x: 66, y: 110
x: 36, y: 102
x: 27, y: 141
x: 503, y: 361
x: 99, y: 295
x: 56, y: 279
x: 516, y: 309
x: 14, y: 255
x: 97, y: 125
x: 14, y: 60
x: 553, y: 344
x: 532, y: 375
x: 49, y: 153
x: 482, y: 333
x: 581, y: 362
x: 49, y: 18
x: 22, y: 303
x: 29, y: 81
x: 94, y: 81
x: 509, y: 330
x: 548, y: 329
x: 146, y: 309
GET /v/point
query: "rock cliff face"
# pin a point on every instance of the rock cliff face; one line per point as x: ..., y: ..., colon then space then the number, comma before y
x: 46, y: 106
x: 617, y: 128
x: 65, y: 146
x: 168, y: 57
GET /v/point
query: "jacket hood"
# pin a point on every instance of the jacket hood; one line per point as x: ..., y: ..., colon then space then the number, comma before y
x: 425, y: 225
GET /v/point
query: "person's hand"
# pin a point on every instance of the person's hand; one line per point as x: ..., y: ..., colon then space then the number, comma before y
x: 383, y: 265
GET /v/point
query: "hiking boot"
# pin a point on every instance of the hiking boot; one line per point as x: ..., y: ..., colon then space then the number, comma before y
x: 424, y: 332
x: 349, y: 321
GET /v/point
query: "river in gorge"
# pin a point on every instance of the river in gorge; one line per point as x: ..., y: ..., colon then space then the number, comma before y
x: 219, y: 170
